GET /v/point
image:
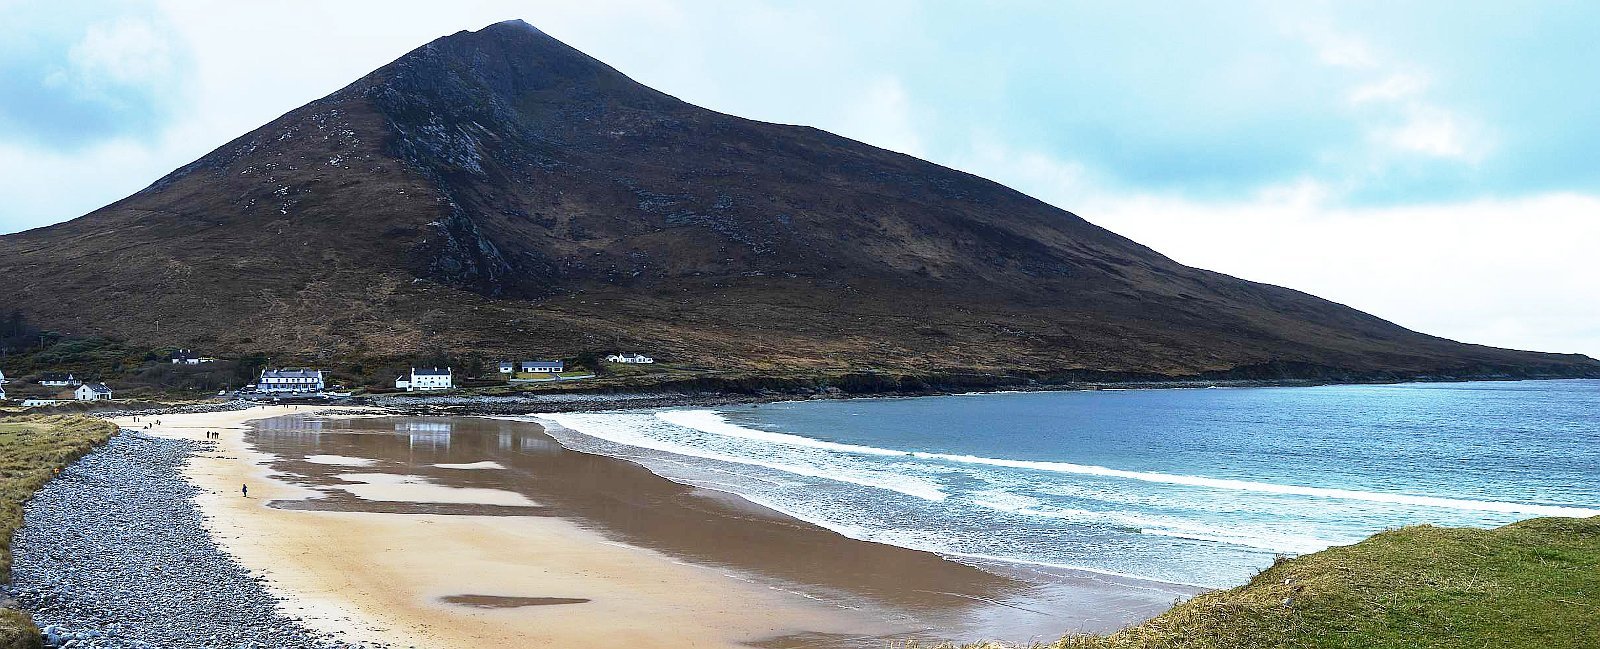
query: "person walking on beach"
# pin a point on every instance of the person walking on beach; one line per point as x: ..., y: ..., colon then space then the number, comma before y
x: 245, y: 489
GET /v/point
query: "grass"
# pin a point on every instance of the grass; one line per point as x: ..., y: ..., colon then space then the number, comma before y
x: 32, y: 449
x: 1532, y: 584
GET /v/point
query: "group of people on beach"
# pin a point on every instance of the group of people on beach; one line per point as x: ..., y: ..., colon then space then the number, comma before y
x: 213, y: 435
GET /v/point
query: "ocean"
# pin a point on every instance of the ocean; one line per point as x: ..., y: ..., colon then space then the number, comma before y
x: 1191, y: 486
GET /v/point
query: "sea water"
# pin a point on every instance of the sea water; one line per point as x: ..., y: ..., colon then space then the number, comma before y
x: 1191, y: 486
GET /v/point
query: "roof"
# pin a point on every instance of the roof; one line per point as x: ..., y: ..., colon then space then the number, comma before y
x: 292, y: 373
x: 430, y: 371
x: 54, y: 376
x: 100, y: 388
x: 541, y: 362
x: 183, y: 353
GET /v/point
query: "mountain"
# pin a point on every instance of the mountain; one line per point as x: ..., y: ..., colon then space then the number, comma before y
x: 500, y: 192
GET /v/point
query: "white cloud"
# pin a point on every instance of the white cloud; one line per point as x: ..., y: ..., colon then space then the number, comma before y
x: 128, y: 51
x: 1396, y: 86
x: 1432, y: 131
x: 1511, y: 273
x: 884, y: 118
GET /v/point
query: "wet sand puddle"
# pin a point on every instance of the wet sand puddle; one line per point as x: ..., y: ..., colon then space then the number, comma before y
x: 504, y: 601
x: 484, y: 467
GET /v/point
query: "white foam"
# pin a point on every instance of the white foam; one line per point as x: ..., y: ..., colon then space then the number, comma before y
x: 711, y: 421
x: 633, y: 430
x: 1267, y: 487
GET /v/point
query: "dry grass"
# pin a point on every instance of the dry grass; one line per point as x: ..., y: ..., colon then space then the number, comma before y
x: 32, y: 449
x: 1532, y: 584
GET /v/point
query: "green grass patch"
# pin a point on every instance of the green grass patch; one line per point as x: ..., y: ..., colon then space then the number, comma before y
x: 1532, y: 584
x: 32, y: 449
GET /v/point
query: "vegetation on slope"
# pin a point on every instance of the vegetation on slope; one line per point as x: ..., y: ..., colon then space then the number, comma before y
x: 1530, y: 584
x: 32, y: 449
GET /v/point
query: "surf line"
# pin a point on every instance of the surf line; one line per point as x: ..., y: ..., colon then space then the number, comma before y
x: 713, y: 422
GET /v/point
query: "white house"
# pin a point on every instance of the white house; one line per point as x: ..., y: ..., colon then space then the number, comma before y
x: 92, y: 392
x: 426, y: 378
x: 632, y: 359
x: 2, y: 378
x: 506, y: 367
x: 290, y: 379
x: 29, y: 403
x: 187, y: 357
x: 58, y: 379
x: 548, y: 367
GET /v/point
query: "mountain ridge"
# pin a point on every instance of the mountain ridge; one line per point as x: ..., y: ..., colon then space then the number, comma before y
x: 501, y: 192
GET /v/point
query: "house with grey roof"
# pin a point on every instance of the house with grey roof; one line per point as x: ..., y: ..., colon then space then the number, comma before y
x: 426, y: 378
x: 92, y: 392
x: 290, y: 380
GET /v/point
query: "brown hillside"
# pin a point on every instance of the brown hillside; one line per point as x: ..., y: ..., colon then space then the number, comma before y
x: 501, y: 192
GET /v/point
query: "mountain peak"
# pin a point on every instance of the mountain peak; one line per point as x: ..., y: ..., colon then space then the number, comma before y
x: 498, y: 191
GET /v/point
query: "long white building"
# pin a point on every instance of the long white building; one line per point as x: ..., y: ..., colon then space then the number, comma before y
x: 290, y: 380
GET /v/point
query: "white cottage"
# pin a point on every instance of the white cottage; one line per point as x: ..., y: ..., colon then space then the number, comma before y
x: 290, y: 380
x: 546, y: 367
x: 426, y: 378
x: 631, y: 359
x: 58, y: 379
x: 92, y: 392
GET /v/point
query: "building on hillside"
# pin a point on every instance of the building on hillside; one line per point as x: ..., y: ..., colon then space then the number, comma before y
x: 631, y: 359
x: 92, y: 392
x: 188, y: 357
x: 544, y: 367
x: 2, y: 378
x: 426, y: 378
x: 29, y: 403
x: 290, y: 380
x: 507, y: 367
x: 58, y: 379
x: 2, y: 393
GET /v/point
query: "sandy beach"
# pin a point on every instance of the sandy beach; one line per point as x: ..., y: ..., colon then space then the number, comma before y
x: 462, y: 532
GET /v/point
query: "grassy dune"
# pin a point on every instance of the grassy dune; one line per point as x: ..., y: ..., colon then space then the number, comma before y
x: 31, y: 450
x: 1532, y: 584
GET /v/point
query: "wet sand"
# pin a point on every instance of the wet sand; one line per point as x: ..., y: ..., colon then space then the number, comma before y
x: 468, y: 530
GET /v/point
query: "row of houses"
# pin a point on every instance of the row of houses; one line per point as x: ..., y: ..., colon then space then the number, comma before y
x: 83, y: 391
x: 188, y: 357
x: 532, y: 367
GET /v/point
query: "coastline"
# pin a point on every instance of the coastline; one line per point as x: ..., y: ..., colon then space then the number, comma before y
x: 660, y: 584
x: 653, y: 396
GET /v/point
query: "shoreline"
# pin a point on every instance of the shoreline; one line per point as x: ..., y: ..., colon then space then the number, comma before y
x: 652, y: 397
x: 638, y: 578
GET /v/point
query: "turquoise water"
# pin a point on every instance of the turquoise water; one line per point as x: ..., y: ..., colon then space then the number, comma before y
x: 1199, y: 486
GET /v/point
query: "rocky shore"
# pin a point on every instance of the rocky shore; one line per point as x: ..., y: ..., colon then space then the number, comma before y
x: 115, y: 553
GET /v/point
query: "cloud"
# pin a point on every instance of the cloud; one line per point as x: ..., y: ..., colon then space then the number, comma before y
x: 82, y: 74
x: 125, y: 52
x: 884, y: 117
x: 1503, y: 272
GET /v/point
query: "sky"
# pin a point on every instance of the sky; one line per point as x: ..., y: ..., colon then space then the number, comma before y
x: 1433, y: 163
